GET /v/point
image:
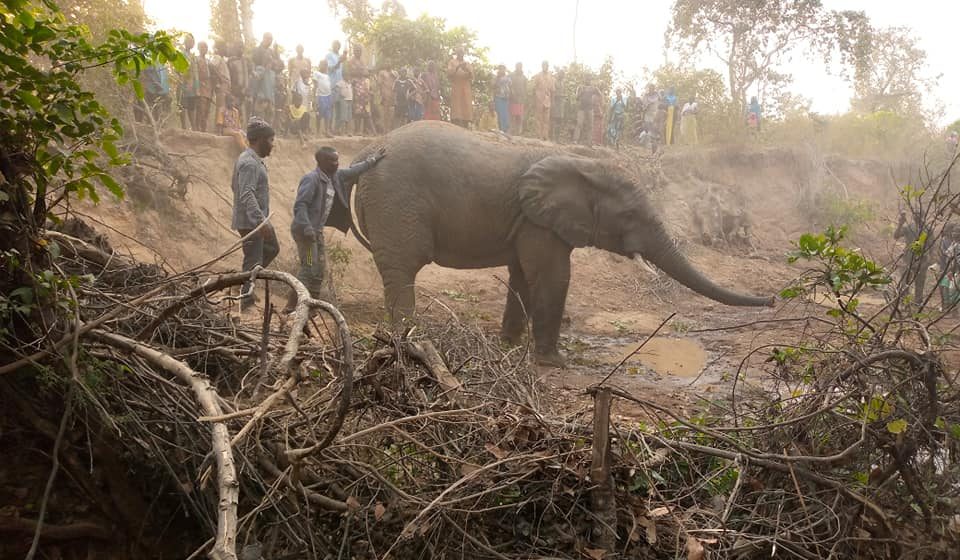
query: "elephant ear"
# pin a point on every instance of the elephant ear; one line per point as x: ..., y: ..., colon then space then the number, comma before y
x: 560, y: 193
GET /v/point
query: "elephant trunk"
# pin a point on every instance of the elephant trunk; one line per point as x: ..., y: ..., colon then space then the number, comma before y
x: 666, y: 257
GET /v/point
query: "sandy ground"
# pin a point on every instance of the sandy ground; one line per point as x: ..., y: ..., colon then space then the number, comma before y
x: 614, y: 303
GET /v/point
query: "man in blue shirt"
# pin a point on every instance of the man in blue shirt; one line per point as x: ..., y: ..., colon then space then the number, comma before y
x: 251, y: 203
x: 156, y: 94
x: 335, y: 71
x: 315, y: 198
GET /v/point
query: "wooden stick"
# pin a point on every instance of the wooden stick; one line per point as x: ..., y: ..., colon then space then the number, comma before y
x: 427, y: 354
x: 602, y: 497
x: 225, y: 545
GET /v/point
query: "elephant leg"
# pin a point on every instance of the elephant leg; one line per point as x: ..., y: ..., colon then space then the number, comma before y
x: 398, y: 294
x: 516, y: 313
x: 545, y: 260
x: 402, y: 241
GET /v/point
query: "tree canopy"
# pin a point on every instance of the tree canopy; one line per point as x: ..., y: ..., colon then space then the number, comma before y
x: 892, y: 76
x: 754, y: 37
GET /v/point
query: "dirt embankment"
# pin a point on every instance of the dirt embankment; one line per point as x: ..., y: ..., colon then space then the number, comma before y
x: 734, y: 211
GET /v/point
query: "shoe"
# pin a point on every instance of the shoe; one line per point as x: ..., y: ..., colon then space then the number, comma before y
x: 248, y: 303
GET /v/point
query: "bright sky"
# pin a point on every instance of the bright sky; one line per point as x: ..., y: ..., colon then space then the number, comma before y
x: 530, y: 31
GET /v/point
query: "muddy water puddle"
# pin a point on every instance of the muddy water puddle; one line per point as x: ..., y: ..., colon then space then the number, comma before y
x: 681, y: 358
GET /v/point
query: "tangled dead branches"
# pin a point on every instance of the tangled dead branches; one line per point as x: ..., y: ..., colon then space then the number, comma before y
x: 290, y: 438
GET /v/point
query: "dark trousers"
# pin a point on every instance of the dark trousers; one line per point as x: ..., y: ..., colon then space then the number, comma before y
x: 313, y: 263
x: 259, y: 249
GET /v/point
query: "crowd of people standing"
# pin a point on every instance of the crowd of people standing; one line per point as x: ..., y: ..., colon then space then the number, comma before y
x: 341, y: 95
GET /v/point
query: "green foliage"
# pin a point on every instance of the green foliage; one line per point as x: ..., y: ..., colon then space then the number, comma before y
x: 845, y: 270
x: 832, y: 208
x: 51, y: 118
x: 400, y: 41
x: 842, y: 271
x: 787, y: 356
x: 339, y: 257
x: 97, y: 18
x: 58, y: 141
x: 954, y: 126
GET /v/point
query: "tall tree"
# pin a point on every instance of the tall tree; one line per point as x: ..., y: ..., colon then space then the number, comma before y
x: 753, y: 37
x: 100, y: 16
x: 893, y: 74
x: 225, y: 20
x: 393, y: 8
x: 246, y: 22
x: 358, y: 16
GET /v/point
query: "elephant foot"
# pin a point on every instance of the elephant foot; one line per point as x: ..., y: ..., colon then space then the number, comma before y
x: 551, y: 359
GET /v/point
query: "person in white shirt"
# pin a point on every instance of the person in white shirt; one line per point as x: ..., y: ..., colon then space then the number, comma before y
x: 324, y: 97
x: 689, y: 134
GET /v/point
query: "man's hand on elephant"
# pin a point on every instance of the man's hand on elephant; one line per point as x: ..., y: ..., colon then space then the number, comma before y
x: 377, y: 156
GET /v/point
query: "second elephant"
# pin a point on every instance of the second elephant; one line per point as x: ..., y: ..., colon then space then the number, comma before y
x: 448, y: 196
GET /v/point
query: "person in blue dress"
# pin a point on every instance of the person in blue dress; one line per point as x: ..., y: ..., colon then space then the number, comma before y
x: 618, y: 114
x: 501, y: 98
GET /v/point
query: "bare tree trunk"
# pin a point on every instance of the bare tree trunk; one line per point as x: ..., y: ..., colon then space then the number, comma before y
x: 246, y: 22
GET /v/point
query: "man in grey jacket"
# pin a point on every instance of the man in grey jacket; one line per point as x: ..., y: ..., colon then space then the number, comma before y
x: 251, y: 203
x: 312, y: 207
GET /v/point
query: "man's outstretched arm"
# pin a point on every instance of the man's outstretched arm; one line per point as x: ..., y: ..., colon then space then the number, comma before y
x: 352, y: 173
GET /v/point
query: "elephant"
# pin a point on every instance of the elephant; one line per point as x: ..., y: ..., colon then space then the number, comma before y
x: 449, y: 196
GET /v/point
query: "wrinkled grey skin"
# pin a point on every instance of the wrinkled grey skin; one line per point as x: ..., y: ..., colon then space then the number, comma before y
x: 451, y: 197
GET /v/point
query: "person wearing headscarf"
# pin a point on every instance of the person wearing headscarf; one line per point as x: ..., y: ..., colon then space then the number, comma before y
x: 251, y: 203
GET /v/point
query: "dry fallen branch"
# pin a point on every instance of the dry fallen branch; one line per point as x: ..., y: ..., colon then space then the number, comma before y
x: 428, y: 355
x: 225, y: 545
